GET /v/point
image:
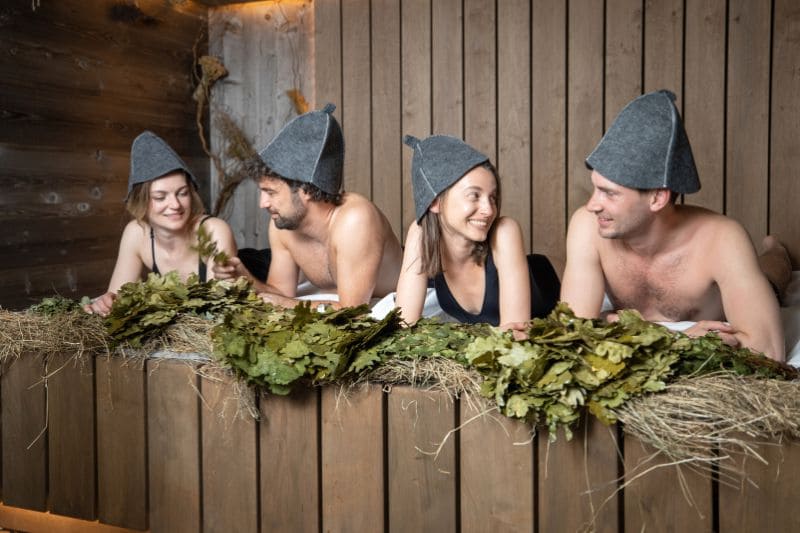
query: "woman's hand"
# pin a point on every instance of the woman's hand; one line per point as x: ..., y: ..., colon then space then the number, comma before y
x: 101, y: 305
x: 518, y: 329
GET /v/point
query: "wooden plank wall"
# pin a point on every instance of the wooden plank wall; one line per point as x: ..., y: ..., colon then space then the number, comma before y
x: 170, y: 453
x: 267, y: 49
x: 80, y: 81
x: 535, y: 83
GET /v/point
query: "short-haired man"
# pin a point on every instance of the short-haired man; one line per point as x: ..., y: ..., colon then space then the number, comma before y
x: 670, y: 262
x: 340, y: 242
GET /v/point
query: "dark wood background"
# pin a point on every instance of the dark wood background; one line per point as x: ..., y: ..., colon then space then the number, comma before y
x: 79, y: 81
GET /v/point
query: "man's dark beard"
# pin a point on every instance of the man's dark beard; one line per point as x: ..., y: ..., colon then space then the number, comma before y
x: 292, y: 222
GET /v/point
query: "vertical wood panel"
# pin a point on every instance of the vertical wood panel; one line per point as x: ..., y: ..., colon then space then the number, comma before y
x: 416, y: 75
x: 480, y: 75
x: 623, y: 79
x: 422, y: 489
x: 173, y: 444
x: 663, y: 46
x: 497, y: 476
x: 24, y: 439
x: 289, y: 445
x: 448, y: 59
x: 748, y: 114
x: 229, y: 459
x: 356, y: 96
x: 785, y: 113
x: 349, y: 445
x: 387, y: 146
x: 121, y: 442
x: 71, y: 443
x: 767, y: 499
x: 328, y: 55
x: 549, y: 134
x: 664, y: 499
x: 514, y: 113
x: 585, y: 95
x: 575, y: 480
x: 704, y: 98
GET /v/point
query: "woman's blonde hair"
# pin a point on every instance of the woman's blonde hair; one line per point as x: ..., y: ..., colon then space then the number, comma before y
x: 431, y: 255
x: 138, y: 200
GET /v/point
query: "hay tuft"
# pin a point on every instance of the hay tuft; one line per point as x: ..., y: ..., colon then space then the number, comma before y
x: 73, y: 334
x: 715, y: 419
x: 431, y: 373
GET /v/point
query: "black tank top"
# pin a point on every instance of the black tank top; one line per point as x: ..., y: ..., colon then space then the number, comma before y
x: 545, y: 289
x: 201, y: 267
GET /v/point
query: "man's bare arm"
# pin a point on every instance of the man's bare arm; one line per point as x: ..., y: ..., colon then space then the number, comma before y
x: 583, y: 283
x: 748, y: 301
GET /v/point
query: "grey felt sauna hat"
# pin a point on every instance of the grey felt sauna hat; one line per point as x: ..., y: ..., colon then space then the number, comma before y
x: 310, y: 148
x: 438, y: 162
x: 151, y: 158
x: 647, y: 148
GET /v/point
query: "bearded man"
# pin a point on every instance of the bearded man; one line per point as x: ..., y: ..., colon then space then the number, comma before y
x: 340, y: 242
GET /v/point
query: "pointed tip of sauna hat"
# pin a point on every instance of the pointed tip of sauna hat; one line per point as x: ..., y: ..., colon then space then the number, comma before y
x: 438, y: 162
x: 310, y: 149
x: 151, y: 158
x: 646, y: 147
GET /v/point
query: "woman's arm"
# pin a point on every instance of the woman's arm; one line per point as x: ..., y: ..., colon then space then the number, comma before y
x: 413, y: 282
x: 128, y: 267
x: 508, y: 251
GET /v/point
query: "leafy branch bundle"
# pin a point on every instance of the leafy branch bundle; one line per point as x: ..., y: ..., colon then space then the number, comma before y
x: 144, y: 309
x: 569, y: 362
x: 276, y: 349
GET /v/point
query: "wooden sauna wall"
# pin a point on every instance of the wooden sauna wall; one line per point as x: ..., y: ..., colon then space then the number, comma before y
x: 535, y: 83
x: 135, y: 445
x: 79, y: 81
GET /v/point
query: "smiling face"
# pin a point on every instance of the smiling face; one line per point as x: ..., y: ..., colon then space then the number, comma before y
x: 469, y: 207
x: 621, y: 212
x: 170, y: 204
x: 284, y: 204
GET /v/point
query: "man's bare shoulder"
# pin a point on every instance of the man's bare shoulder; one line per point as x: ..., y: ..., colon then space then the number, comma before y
x: 709, y: 227
x: 358, y: 213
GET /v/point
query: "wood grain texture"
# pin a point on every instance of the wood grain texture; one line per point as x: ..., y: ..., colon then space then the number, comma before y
x: 387, y: 146
x: 497, y: 473
x: 704, y: 98
x: 415, y: 73
x: 71, y: 437
x: 422, y: 486
x: 447, y: 57
x: 480, y: 74
x: 289, y: 461
x: 549, y: 131
x: 747, y: 131
x: 623, y: 77
x: 173, y: 446
x: 687, y: 505
x: 121, y: 403
x: 663, y: 46
x: 765, y: 500
x: 352, y: 504
x: 576, y: 480
x: 356, y: 96
x: 229, y: 457
x: 513, y: 112
x: 584, y: 95
x: 24, y: 437
x: 785, y: 117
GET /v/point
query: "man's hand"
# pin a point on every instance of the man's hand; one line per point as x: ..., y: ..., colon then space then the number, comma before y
x: 277, y: 299
x: 725, y: 331
x: 101, y: 305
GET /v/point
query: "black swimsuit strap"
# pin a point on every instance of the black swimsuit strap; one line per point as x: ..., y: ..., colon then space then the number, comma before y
x: 201, y: 267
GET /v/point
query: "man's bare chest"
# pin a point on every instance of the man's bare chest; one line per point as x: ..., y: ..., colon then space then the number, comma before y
x: 670, y: 288
x: 315, y: 260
